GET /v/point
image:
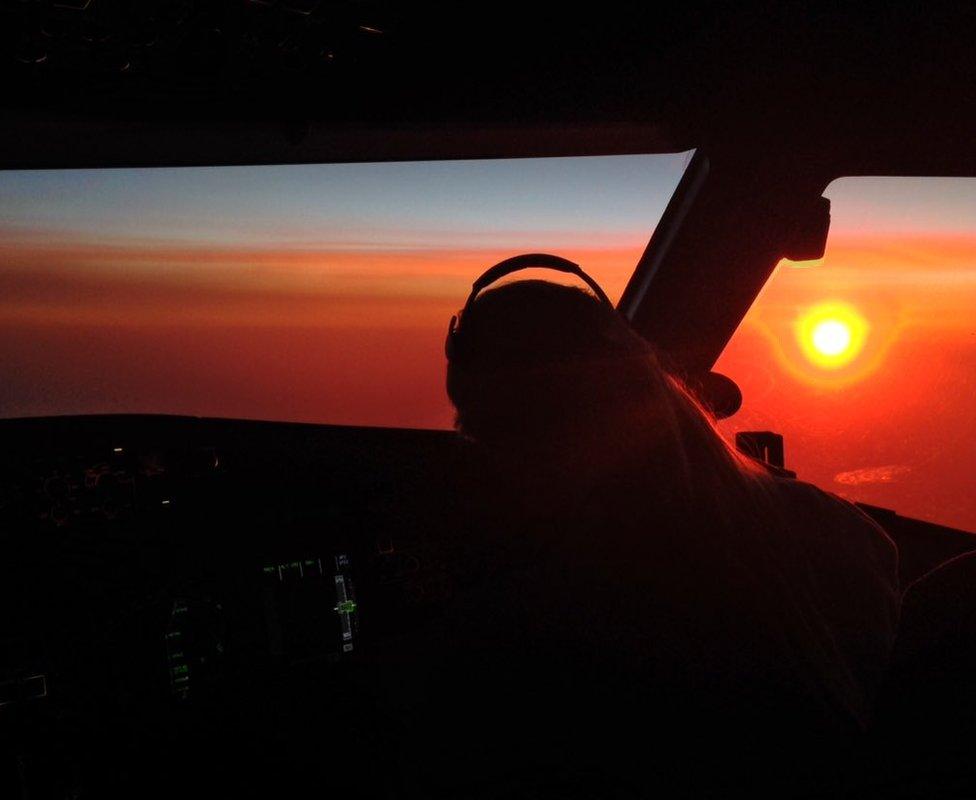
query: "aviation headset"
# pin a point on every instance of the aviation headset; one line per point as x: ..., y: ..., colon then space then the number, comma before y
x: 454, y: 345
x: 717, y: 392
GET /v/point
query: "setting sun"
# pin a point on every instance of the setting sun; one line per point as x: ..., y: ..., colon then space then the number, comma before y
x: 832, y: 337
x: 831, y: 334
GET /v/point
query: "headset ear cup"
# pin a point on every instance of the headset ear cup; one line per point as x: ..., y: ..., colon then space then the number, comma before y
x: 450, y: 343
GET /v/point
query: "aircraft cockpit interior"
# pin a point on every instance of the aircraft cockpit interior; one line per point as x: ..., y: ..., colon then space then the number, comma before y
x: 251, y: 547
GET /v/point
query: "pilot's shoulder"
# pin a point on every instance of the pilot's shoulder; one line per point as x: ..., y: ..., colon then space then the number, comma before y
x: 839, y: 520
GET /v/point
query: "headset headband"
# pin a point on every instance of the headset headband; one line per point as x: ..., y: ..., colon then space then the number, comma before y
x: 507, y: 267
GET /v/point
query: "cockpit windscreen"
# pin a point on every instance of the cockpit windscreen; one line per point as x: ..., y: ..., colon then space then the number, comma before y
x: 312, y: 293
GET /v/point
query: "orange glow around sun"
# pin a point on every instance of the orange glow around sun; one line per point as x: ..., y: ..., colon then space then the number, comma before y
x: 831, y: 335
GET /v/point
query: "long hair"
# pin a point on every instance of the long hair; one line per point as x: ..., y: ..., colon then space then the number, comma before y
x: 571, y: 396
x: 554, y: 375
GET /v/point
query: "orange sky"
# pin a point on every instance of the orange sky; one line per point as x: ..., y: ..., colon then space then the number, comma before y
x: 321, y: 328
x: 893, y: 427
x: 314, y: 336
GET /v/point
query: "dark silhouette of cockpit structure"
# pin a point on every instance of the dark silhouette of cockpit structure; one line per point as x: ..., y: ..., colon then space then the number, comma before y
x: 207, y: 628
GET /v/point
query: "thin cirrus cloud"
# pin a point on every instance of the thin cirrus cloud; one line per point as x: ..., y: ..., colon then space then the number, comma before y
x: 883, y: 474
x: 213, y: 284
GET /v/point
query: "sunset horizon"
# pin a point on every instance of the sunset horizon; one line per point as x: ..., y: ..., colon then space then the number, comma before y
x: 179, y: 306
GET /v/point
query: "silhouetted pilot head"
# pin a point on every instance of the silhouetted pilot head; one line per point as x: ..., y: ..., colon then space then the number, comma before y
x: 538, y: 360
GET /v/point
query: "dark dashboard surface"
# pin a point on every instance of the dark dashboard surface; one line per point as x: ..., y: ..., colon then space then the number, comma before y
x: 217, y: 605
x: 188, y: 598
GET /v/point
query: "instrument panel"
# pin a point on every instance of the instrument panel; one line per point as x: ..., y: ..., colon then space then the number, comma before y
x: 263, y: 609
x: 204, y: 600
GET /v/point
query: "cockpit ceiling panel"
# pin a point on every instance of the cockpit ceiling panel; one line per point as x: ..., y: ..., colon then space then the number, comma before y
x: 318, y: 80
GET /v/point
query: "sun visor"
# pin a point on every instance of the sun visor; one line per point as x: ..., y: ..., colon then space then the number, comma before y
x: 806, y: 237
